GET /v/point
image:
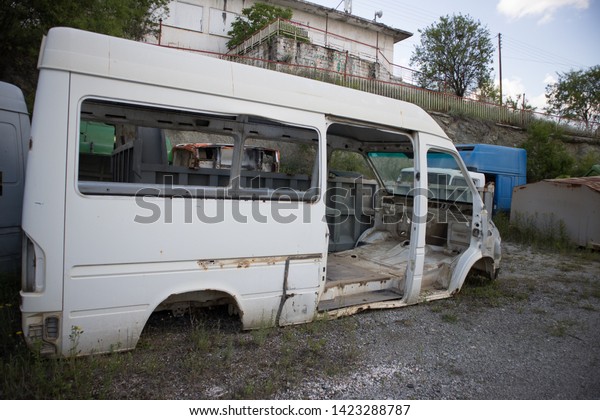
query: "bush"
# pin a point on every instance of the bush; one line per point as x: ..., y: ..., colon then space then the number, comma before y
x: 585, y: 163
x: 253, y: 19
x: 547, y: 157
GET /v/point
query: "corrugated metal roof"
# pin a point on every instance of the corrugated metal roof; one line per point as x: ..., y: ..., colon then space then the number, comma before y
x: 592, y: 182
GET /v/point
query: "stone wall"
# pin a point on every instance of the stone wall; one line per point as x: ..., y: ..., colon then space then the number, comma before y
x: 469, y: 130
x: 305, y: 54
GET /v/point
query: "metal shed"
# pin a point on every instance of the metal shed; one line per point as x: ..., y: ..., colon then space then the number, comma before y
x: 573, y: 201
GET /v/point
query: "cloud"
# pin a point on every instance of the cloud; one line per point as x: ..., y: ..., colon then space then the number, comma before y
x: 512, y: 87
x: 517, y: 9
x: 539, y: 102
x: 549, y: 80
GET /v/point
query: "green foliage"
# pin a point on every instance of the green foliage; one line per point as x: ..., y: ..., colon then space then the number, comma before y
x: 547, y: 156
x: 519, y: 103
x: 455, y: 54
x: 296, y: 158
x: 488, y: 91
x: 23, y: 24
x: 576, y: 95
x: 347, y: 161
x: 585, y: 163
x: 253, y: 19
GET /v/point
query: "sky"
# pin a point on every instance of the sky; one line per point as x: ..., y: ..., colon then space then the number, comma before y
x: 540, y: 38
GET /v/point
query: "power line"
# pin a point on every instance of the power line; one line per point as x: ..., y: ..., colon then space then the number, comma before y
x: 536, y: 54
x: 420, y: 17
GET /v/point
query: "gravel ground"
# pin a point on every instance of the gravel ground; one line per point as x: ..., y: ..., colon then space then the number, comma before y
x: 536, y: 336
x: 532, y: 334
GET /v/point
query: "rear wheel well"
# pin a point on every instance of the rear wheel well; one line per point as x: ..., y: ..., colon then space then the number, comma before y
x: 484, y: 267
x: 182, y: 303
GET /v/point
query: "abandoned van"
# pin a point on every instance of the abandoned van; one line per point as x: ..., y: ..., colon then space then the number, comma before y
x: 14, y: 139
x: 324, y: 234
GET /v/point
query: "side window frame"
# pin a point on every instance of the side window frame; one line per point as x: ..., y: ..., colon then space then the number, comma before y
x: 238, y: 129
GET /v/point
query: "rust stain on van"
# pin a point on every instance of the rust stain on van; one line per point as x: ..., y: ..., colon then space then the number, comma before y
x: 244, y: 263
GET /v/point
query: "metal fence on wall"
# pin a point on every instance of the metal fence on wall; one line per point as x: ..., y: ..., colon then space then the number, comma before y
x: 398, y: 88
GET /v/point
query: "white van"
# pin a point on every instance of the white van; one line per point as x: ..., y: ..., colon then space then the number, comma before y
x: 449, y: 182
x: 14, y: 139
x: 322, y: 235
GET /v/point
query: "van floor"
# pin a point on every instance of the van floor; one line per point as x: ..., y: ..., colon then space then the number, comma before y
x: 380, y: 260
x: 375, y: 273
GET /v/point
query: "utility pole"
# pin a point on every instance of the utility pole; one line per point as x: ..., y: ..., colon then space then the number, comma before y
x: 500, y: 63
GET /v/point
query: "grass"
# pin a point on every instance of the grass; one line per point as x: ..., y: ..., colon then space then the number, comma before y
x: 480, y: 291
x: 197, y: 353
x: 450, y: 318
x: 561, y: 328
x: 547, y: 234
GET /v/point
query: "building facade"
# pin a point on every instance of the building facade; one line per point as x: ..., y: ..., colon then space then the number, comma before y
x: 204, y: 24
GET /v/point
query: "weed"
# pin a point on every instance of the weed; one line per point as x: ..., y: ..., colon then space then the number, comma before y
x: 316, y: 345
x: 588, y: 307
x: 260, y: 335
x: 539, y: 231
x: 489, y: 293
x: 406, y: 322
x: 450, y: 318
x: 456, y: 371
x: 561, y: 328
x: 74, y: 337
x: 201, y: 338
x: 248, y: 391
x: 568, y: 267
x: 419, y: 355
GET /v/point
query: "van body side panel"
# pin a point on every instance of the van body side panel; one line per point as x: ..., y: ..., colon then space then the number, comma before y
x: 14, y: 137
x: 266, y: 255
x: 11, y: 190
x: 44, y: 197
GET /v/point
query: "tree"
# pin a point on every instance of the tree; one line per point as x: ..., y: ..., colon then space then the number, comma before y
x: 487, y: 91
x: 576, y: 95
x: 455, y: 54
x: 547, y: 156
x: 253, y: 19
x: 519, y: 103
x: 23, y: 23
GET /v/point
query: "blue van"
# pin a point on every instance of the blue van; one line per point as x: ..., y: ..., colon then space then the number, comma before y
x: 505, y: 166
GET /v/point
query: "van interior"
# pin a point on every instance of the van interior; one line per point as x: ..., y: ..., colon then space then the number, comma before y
x: 368, y: 210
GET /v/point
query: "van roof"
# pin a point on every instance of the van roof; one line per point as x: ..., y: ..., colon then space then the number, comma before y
x: 491, y: 148
x: 104, y: 56
x: 11, y: 98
